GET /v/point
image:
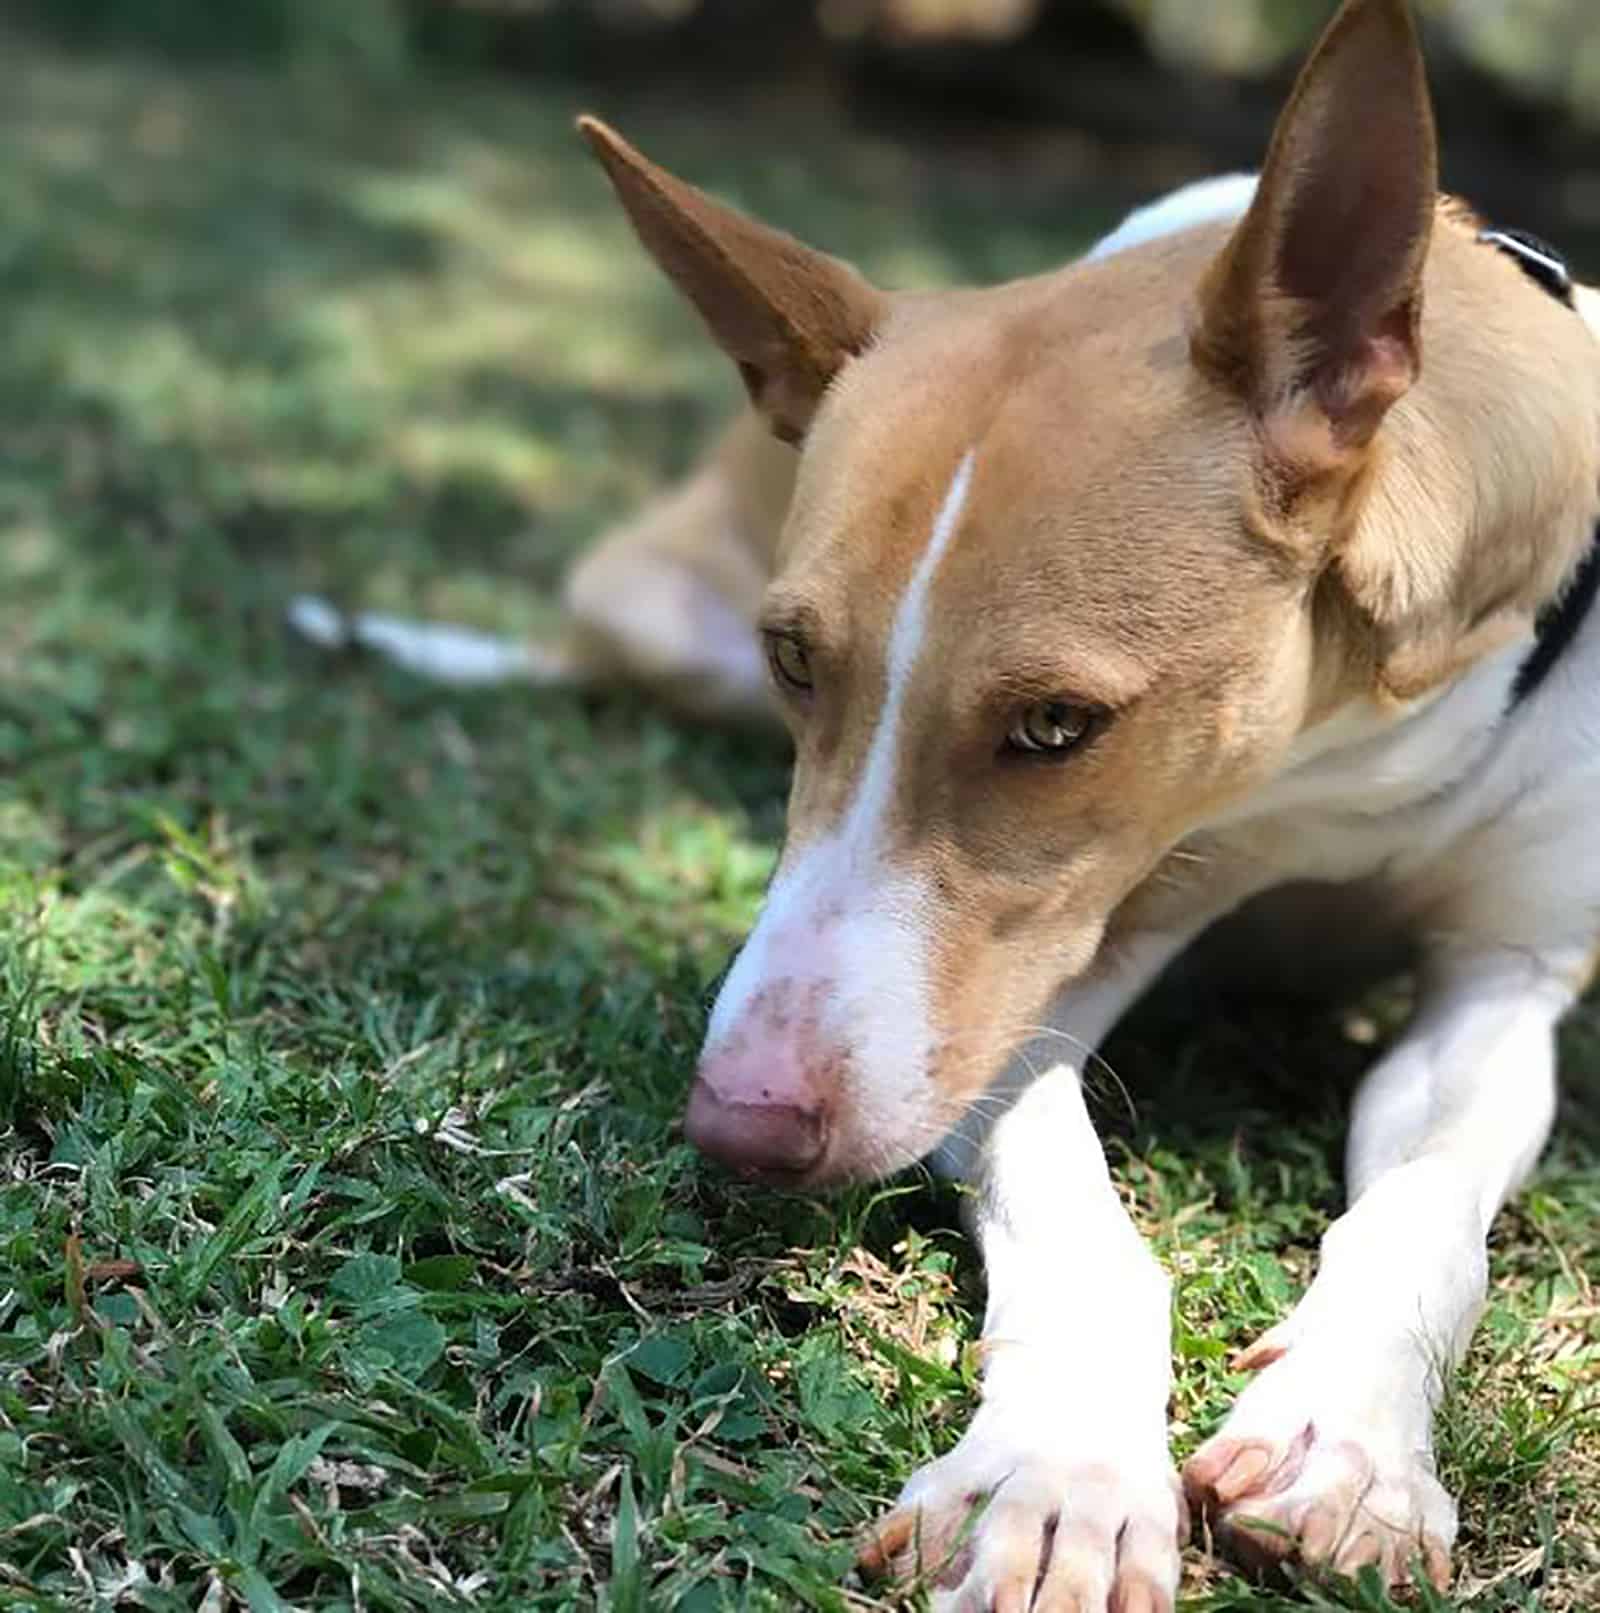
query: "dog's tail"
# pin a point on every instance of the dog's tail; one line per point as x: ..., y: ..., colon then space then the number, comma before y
x: 666, y: 601
x: 443, y: 652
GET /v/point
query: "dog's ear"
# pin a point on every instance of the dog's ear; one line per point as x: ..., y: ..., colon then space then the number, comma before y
x: 789, y: 317
x: 1312, y: 312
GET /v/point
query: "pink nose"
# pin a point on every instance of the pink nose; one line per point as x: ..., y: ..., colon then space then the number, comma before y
x: 756, y: 1139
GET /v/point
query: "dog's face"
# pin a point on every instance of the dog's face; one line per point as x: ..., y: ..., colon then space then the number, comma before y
x: 1014, y: 679
x: 1054, y: 591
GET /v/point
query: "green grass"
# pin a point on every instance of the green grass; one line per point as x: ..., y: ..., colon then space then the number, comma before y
x: 348, y: 1253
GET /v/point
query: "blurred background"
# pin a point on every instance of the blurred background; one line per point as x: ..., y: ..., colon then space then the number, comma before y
x: 1518, y: 80
x: 355, y: 247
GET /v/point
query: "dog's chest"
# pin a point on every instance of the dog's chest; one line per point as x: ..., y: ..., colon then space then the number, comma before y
x: 1479, y: 791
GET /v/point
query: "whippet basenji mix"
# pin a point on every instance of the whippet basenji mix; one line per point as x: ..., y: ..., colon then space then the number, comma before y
x: 1254, y: 549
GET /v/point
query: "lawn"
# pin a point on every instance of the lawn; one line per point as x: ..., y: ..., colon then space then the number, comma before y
x: 349, y: 1255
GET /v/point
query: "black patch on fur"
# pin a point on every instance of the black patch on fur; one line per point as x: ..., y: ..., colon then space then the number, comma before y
x: 1560, y: 620
x: 1537, y: 259
x: 1558, y: 624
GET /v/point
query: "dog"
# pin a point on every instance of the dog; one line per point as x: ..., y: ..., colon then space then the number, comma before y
x: 1255, y: 549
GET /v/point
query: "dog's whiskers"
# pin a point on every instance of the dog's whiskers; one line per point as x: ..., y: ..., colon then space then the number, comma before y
x: 1095, y: 1064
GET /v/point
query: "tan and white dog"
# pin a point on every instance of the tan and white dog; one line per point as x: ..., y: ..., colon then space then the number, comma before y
x: 1098, y: 604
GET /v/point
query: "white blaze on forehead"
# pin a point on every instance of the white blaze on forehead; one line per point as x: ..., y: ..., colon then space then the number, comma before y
x: 863, y: 824
x: 846, y: 932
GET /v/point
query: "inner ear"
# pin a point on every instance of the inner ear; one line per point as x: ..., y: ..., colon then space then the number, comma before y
x: 1350, y: 257
x: 1317, y: 300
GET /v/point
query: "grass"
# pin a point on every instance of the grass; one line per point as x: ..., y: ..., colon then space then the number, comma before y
x: 349, y: 1257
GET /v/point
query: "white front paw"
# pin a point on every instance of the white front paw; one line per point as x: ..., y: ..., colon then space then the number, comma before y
x: 1010, y: 1523
x: 1306, y: 1468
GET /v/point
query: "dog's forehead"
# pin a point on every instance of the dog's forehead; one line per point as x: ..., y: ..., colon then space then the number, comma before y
x: 886, y: 445
x: 1118, y: 509
x: 1107, y: 473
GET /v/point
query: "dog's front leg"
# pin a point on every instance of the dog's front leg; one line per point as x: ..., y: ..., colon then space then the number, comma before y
x: 1328, y: 1454
x: 1061, y: 1495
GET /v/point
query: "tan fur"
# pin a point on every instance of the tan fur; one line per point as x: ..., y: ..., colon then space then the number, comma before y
x: 1184, y: 512
x: 1485, y: 499
x: 789, y: 317
x: 714, y: 535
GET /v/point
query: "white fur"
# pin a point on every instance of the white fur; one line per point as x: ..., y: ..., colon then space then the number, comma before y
x: 1077, y: 1373
x: 1483, y: 814
x: 438, y: 651
x: 1446, y: 1126
x: 1207, y: 201
x: 1072, y: 1430
x: 841, y: 924
x: 863, y: 829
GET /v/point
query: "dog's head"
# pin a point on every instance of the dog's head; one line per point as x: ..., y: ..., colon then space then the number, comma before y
x: 1070, y: 565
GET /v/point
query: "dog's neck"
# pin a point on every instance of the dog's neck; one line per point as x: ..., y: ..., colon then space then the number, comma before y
x: 1482, y: 504
x: 1485, y: 494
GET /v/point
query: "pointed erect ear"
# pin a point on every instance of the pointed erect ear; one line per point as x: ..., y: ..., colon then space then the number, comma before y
x: 1313, y: 311
x: 787, y: 316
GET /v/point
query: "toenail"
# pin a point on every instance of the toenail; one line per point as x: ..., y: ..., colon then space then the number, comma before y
x: 1243, y: 1473
x: 1134, y: 1596
x: 1363, y: 1551
x: 1320, y: 1534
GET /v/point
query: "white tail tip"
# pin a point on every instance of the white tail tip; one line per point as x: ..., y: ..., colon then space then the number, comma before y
x: 438, y: 651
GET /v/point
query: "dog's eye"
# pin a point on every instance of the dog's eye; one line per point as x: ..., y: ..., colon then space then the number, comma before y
x: 1050, y: 728
x: 791, y: 666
